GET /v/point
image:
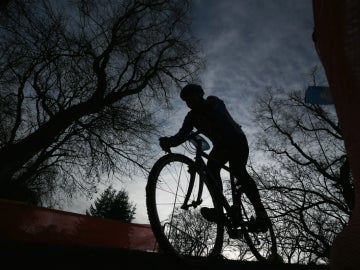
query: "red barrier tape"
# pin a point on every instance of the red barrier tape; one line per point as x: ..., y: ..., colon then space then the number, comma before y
x: 30, y: 224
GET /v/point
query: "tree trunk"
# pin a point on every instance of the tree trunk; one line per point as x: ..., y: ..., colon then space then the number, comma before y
x: 14, y: 156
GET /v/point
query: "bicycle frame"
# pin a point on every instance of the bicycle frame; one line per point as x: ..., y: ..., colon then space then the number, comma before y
x: 208, y: 178
x: 190, y: 175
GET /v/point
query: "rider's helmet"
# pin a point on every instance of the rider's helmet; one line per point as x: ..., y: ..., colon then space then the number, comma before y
x: 191, y: 90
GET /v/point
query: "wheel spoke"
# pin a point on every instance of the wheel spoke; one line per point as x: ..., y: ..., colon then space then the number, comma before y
x: 184, y: 233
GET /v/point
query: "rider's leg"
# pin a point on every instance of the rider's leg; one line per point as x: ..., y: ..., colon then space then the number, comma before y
x: 217, y: 158
x: 262, y: 221
x: 215, y: 161
x: 238, y: 160
x: 249, y: 186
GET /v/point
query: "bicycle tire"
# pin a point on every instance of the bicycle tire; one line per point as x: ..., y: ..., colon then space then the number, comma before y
x: 170, y: 235
x: 261, y: 244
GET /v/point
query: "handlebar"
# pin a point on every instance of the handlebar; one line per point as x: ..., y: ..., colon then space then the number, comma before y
x: 198, y: 141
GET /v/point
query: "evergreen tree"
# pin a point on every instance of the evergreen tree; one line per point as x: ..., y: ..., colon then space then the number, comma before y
x: 113, y: 205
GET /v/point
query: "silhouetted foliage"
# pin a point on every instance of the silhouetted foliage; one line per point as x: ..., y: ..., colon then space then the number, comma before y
x: 305, y: 179
x: 113, y: 204
x: 3, y: 5
x: 80, y: 82
x: 190, y: 233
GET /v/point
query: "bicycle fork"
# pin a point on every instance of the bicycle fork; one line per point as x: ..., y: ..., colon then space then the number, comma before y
x: 198, y: 200
x: 232, y: 219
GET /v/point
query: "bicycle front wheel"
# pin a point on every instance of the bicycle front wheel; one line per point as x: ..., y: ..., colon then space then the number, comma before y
x: 181, y: 230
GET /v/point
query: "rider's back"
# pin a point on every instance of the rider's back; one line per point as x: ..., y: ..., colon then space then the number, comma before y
x: 215, y: 122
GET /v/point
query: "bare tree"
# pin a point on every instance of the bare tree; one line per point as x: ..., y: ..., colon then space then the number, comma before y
x: 306, y: 181
x: 79, y: 81
x: 190, y: 233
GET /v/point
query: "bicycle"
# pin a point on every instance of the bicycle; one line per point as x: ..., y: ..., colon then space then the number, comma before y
x: 177, y: 186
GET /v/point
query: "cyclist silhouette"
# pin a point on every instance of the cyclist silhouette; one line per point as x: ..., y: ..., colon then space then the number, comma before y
x: 211, y: 118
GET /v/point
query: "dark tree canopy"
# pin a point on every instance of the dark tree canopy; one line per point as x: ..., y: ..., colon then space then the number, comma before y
x: 113, y: 204
x: 80, y: 82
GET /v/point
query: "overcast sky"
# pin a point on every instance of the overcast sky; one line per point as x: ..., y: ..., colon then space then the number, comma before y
x: 248, y: 45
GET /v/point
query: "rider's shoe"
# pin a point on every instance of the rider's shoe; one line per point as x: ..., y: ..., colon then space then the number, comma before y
x: 210, y: 214
x: 260, y: 224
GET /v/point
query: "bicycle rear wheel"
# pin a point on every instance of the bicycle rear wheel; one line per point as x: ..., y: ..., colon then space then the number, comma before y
x: 183, y: 233
x: 261, y: 244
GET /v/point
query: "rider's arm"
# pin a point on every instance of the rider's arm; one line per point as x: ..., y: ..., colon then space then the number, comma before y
x: 183, y: 132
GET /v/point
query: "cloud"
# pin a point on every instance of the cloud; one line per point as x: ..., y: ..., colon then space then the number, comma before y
x: 251, y: 45
x: 257, y: 39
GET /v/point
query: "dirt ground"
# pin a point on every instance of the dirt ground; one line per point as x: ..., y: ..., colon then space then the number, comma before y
x: 19, y: 256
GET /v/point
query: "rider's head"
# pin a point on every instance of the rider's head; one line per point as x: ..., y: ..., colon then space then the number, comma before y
x: 192, y: 94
